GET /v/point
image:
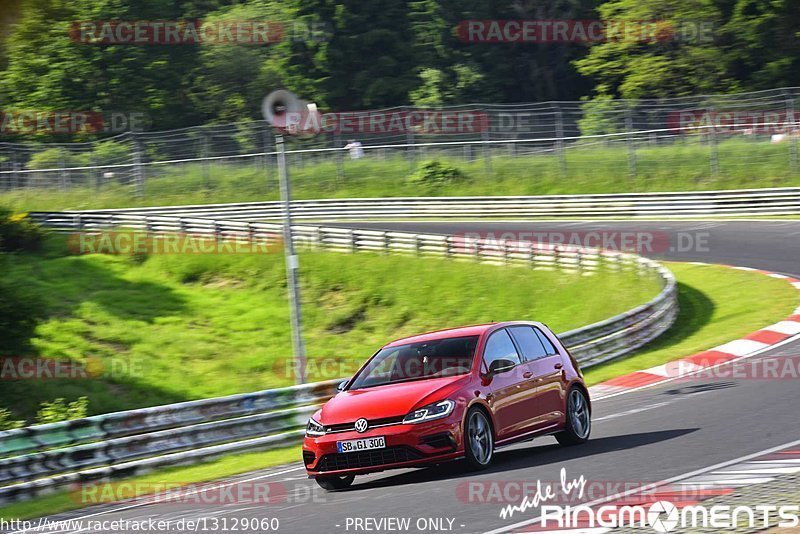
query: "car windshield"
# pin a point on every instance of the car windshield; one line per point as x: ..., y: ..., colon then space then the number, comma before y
x: 418, y: 361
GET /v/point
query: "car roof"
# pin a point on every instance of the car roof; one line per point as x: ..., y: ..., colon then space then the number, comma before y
x: 461, y: 331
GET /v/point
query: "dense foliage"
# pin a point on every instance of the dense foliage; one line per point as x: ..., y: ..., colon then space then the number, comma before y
x: 352, y: 54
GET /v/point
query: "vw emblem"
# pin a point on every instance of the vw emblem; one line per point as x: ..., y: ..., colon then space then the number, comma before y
x: 361, y: 425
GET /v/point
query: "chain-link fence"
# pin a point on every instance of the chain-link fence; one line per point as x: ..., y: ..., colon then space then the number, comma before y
x: 741, y: 138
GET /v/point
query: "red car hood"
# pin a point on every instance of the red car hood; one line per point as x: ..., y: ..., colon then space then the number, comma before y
x: 391, y: 400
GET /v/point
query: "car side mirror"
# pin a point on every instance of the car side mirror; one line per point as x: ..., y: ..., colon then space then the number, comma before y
x: 501, y: 366
x: 341, y: 386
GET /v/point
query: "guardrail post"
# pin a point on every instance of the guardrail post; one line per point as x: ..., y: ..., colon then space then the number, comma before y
x: 557, y: 257
x: 385, y: 242
x: 251, y: 233
x: 505, y: 252
x: 417, y: 245
x: 353, y: 242
x: 319, y: 240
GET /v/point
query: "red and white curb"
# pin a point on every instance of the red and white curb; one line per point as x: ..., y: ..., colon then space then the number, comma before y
x: 694, y: 489
x: 757, y: 341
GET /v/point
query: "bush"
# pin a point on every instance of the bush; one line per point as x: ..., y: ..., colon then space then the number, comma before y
x: 54, y: 158
x: 110, y: 153
x: 436, y: 174
x: 19, y: 233
x: 60, y: 410
x: 20, y: 311
x: 6, y: 421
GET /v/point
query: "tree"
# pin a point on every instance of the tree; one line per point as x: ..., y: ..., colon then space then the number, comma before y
x: 368, y: 60
x: 684, y: 58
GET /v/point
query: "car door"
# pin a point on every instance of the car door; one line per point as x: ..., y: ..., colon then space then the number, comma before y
x: 549, y: 374
x: 509, y: 388
x: 538, y: 409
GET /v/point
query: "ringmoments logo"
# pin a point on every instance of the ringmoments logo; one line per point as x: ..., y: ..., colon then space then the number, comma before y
x: 665, y: 516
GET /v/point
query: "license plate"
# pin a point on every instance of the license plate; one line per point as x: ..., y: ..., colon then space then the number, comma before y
x: 355, y: 445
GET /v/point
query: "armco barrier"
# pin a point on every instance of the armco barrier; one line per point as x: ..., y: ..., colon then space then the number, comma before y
x: 43, y: 457
x: 724, y: 203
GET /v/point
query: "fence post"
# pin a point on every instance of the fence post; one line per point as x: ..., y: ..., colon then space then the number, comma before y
x: 138, y: 169
x: 15, y: 166
x: 267, y: 149
x: 62, y: 166
x: 714, y: 151
x: 631, y: 143
x: 94, y: 172
x: 791, y: 135
x: 562, y: 156
x: 487, y: 156
x: 337, y: 143
x: 412, y: 156
x: 206, y: 163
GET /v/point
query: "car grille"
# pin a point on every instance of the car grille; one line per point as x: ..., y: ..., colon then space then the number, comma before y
x: 353, y: 460
x: 346, y: 427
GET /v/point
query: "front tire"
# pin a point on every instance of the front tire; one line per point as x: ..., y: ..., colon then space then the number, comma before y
x: 478, y: 440
x: 335, y: 483
x: 579, y: 419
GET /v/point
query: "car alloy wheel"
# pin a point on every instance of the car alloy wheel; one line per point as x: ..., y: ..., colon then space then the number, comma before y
x: 480, y: 443
x: 579, y: 419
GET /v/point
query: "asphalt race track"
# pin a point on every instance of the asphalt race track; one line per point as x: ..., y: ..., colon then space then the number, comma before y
x: 665, y: 431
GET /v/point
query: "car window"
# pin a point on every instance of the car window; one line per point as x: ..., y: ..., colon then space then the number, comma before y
x: 529, y: 342
x: 500, y: 347
x: 417, y: 361
x: 548, y: 345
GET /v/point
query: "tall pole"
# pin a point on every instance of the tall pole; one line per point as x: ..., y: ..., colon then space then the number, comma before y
x: 292, y: 263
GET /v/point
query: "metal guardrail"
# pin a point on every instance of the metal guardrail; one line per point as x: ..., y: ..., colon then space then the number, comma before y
x: 724, y: 203
x: 42, y: 457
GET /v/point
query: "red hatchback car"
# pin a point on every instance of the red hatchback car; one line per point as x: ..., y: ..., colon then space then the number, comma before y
x: 457, y: 393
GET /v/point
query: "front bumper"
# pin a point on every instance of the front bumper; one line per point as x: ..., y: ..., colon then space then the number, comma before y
x: 407, y: 445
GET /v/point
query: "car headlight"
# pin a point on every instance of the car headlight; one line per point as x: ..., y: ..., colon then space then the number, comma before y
x: 436, y: 410
x: 313, y: 428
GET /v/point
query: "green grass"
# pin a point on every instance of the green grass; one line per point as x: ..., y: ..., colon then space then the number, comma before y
x: 65, y: 500
x: 717, y: 305
x: 684, y: 165
x: 171, y: 328
x: 714, y: 310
